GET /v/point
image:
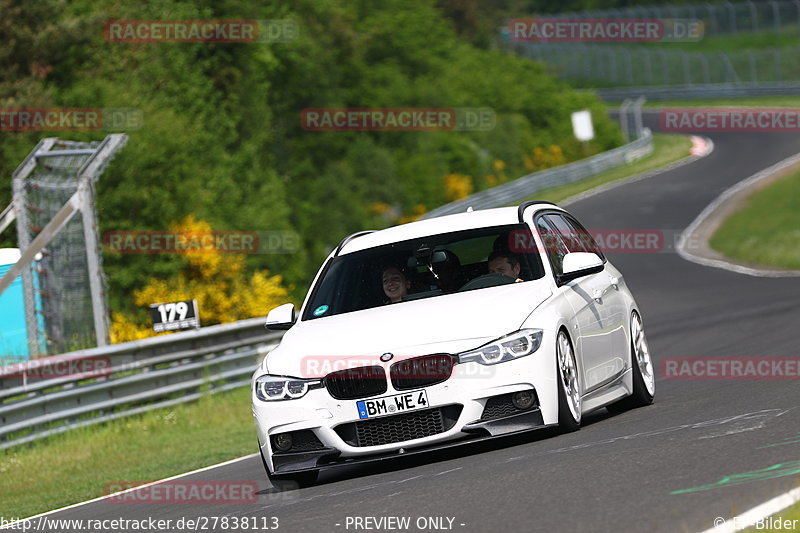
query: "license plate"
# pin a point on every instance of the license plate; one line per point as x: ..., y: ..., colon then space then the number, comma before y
x: 392, y: 405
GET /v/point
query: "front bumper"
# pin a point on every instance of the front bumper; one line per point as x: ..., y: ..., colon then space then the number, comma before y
x: 468, y: 389
x: 325, y: 458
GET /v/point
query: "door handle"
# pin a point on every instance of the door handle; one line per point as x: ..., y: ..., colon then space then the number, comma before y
x: 614, y: 281
x: 598, y: 295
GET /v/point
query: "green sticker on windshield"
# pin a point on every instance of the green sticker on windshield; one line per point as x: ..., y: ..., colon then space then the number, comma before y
x: 321, y: 310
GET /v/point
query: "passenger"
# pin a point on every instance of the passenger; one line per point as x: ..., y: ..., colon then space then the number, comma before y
x: 505, y: 263
x: 395, y: 283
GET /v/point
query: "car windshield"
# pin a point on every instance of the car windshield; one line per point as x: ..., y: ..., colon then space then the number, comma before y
x: 425, y: 267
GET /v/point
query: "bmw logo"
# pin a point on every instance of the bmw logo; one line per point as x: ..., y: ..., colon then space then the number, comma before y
x: 386, y: 357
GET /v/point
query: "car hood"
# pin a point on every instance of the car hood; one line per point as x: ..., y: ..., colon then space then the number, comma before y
x: 442, y: 324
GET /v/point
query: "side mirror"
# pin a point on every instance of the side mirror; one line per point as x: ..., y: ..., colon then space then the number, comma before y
x: 579, y: 264
x: 281, y: 318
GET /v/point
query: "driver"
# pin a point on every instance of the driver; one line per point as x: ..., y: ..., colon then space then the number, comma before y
x: 505, y: 263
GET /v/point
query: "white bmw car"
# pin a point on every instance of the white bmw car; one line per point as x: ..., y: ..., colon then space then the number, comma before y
x: 444, y: 331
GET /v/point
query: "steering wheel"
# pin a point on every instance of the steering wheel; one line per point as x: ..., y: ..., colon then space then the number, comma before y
x: 486, y: 280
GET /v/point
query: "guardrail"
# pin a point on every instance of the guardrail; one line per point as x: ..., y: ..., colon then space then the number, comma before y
x: 143, y: 375
x: 723, y: 18
x: 527, y: 186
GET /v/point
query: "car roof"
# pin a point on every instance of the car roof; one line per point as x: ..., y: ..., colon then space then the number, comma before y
x: 482, y: 218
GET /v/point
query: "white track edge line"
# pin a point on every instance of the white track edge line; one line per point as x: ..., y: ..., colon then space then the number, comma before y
x: 79, y: 504
x: 759, y: 512
x: 713, y: 206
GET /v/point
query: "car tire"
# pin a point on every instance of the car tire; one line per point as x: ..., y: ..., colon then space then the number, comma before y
x: 644, y: 382
x: 287, y: 482
x: 569, y: 399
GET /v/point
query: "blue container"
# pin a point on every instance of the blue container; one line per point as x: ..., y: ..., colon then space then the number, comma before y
x: 13, y: 333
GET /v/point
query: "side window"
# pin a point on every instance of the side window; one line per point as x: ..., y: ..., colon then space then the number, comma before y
x: 575, y: 236
x: 553, y: 245
x: 566, y: 232
x: 587, y: 241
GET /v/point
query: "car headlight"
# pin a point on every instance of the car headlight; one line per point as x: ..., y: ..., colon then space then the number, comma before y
x: 270, y: 388
x: 513, y: 346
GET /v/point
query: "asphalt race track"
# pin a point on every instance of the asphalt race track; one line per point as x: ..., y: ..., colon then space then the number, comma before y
x: 629, y: 472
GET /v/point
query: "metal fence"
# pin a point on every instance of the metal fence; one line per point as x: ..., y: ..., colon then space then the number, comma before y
x: 609, y: 65
x: 144, y: 375
x: 64, y: 292
x: 721, y: 90
x: 630, y: 64
x: 779, y: 16
x: 527, y: 186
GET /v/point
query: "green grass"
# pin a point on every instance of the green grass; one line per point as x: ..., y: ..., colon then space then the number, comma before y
x: 667, y: 148
x: 75, y: 466
x: 766, y: 229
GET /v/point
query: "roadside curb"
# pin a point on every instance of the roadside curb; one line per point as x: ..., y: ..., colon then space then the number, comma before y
x: 699, y: 232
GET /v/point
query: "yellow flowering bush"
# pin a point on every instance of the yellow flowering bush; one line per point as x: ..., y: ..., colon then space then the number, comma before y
x: 498, y: 176
x: 457, y: 186
x: 123, y: 329
x: 379, y: 208
x: 542, y: 159
x: 418, y: 211
x: 220, y: 284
